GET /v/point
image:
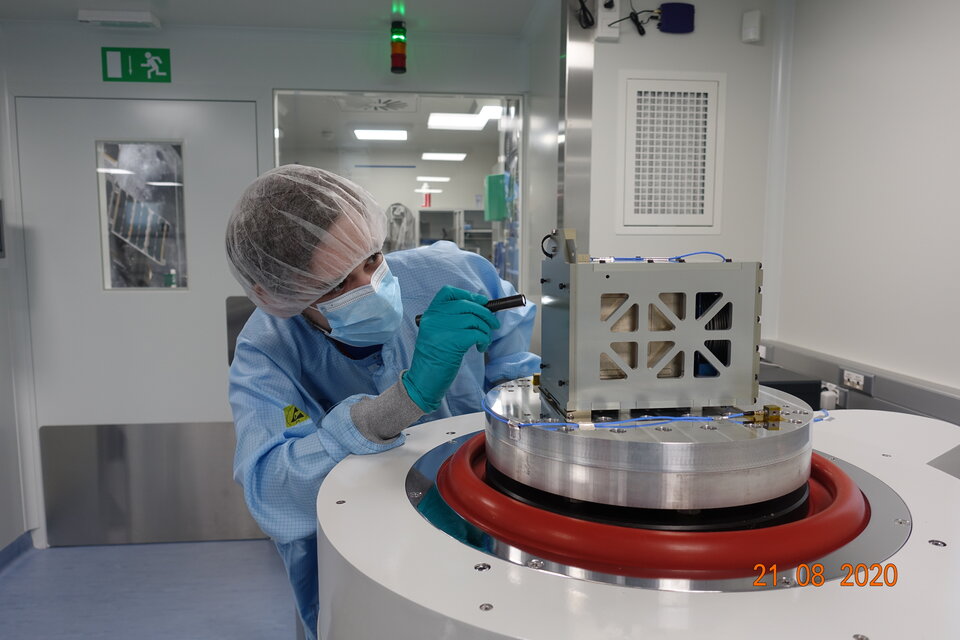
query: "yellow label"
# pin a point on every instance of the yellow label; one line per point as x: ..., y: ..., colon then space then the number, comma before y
x: 294, y: 416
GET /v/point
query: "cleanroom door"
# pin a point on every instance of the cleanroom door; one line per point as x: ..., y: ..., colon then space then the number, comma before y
x: 126, y: 285
x: 129, y: 355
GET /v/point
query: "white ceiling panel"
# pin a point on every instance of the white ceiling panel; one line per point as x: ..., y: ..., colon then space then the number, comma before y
x: 490, y: 17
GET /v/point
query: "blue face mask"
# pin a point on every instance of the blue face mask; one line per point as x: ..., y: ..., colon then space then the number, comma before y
x: 367, y: 315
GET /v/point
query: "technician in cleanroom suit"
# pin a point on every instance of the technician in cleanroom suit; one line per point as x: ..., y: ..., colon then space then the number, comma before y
x: 332, y: 362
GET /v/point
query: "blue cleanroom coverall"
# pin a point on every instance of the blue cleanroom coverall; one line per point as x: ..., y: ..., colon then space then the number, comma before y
x: 292, y: 390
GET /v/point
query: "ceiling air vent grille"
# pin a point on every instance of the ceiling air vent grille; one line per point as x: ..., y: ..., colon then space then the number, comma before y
x: 393, y: 104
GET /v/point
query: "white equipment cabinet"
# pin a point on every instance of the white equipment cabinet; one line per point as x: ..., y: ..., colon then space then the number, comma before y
x: 386, y: 572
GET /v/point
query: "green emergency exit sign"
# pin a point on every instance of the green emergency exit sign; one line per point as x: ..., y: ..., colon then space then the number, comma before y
x: 135, y: 65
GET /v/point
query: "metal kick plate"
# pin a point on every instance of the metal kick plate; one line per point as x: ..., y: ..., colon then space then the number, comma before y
x: 136, y: 483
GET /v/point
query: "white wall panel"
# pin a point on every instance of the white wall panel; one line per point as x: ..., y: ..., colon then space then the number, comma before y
x: 12, y: 514
x: 872, y: 217
x: 714, y: 47
x: 11, y: 502
x: 540, y: 131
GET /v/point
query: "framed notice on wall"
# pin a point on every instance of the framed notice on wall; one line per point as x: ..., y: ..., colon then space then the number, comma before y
x: 141, y: 214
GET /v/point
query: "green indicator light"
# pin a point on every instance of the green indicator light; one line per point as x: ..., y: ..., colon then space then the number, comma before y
x: 398, y: 47
x: 398, y: 9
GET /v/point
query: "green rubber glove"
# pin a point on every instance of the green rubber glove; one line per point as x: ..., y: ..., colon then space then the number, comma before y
x: 455, y: 321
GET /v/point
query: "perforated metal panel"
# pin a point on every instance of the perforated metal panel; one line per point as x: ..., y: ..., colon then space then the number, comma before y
x: 633, y: 335
x: 670, y: 163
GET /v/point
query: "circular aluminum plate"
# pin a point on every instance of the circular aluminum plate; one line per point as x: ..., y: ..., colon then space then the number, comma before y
x: 678, y: 462
x: 889, y: 528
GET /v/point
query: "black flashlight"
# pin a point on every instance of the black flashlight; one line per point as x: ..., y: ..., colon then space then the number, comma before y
x: 498, y: 304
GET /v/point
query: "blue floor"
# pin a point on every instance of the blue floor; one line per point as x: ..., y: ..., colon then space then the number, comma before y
x: 235, y: 590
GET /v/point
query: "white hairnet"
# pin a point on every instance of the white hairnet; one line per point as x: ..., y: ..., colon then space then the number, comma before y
x: 296, y: 233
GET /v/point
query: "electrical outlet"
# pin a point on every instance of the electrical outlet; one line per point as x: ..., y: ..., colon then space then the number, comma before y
x: 852, y: 380
x: 857, y: 381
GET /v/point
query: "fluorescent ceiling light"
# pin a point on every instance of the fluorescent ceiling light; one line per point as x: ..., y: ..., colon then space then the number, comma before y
x: 453, y: 157
x: 464, y: 121
x: 165, y: 184
x: 380, y: 134
x: 422, y: 190
x: 456, y: 121
x: 135, y: 19
x: 116, y: 172
x: 432, y: 179
x: 491, y: 112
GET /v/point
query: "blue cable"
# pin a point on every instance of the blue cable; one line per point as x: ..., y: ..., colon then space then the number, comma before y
x: 642, y: 421
x: 826, y: 414
x: 617, y: 423
x: 483, y: 403
x: 673, y: 259
x: 550, y: 425
x: 634, y: 426
x: 664, y: 420
x: 698, y: 253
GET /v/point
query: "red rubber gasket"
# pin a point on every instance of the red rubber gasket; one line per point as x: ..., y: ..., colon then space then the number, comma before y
x: 837, y: 513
